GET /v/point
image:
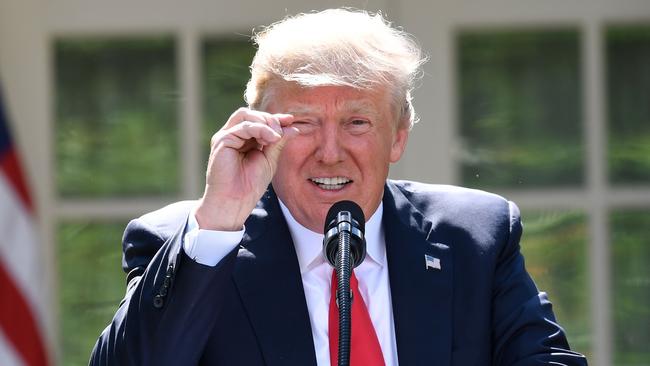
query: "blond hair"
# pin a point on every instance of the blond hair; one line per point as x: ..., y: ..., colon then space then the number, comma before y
x: 340, y: 47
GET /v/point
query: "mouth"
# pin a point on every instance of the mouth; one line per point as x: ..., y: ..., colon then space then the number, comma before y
x: 331, y: 183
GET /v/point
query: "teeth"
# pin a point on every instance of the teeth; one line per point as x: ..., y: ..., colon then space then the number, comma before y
x: 331, y: 183
x: 332, y: 180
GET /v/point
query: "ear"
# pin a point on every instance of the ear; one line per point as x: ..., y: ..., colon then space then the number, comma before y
x: 399, y: 144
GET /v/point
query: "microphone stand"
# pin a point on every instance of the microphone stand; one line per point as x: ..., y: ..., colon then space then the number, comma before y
x: 347, y: 229
x: 344, y: 299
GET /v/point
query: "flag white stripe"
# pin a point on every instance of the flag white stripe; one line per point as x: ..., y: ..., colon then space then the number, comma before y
x: 20, y: 252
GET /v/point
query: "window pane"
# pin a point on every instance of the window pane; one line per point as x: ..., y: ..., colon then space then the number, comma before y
x: 554, y: 245
x: 91, y: 284
x: 225, y: 73
x: 519, y: 108
x: 116, y: 131
x: 628, y: 87
x: 630, y: 255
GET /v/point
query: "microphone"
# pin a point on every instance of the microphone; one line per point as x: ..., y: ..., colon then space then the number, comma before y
x: 344, y: 246
x: 345, y: 219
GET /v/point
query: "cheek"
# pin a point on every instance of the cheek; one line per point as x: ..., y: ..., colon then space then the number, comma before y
x: 293, y: 155
x: 300, y: 141
x: 379, y: 148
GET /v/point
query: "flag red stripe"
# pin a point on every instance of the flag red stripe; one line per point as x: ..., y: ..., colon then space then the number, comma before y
x: 11, y: 166
x: 18, y: 323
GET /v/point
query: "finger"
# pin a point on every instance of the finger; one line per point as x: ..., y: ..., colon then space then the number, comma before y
x: 273, y: 120
x: 241, y: 145
x: 290, y: 132
x: 273, y: 151
x: 237, y: 136
x: 259, y: 131
x: 245, y: 114
x: 277, y: 120
x: 285, y: 119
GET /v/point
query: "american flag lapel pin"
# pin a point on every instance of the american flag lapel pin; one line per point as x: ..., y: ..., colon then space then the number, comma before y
x: 431, y: 262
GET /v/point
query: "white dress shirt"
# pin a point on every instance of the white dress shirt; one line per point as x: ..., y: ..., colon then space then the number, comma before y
x: 209, y: 247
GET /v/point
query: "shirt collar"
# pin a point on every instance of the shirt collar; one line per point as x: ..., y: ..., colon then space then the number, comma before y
x: 309, y: 244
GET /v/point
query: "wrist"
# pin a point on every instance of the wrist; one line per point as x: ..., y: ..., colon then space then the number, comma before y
x: 219, y: 217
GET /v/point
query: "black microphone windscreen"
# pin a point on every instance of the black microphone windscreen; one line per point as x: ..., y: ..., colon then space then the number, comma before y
x: 353, y: 208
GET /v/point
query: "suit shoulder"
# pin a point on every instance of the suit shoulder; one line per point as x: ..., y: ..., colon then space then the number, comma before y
x: 163, y: 221
x: 470, y: 209
x: 440, y: 196
x: 487, y: 218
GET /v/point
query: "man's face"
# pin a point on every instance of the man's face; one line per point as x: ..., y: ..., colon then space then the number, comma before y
x: 348, y: 138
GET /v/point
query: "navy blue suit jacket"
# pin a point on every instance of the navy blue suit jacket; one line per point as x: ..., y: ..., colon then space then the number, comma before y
x: 480, y: 308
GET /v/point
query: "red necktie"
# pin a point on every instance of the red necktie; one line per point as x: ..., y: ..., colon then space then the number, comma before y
x: 365, y: 349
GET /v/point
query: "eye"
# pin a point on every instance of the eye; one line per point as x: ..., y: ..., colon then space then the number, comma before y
x: 358, y: 125
x: 304, y: 127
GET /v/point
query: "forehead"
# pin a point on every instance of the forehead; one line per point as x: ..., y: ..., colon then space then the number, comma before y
x: 300, y: 100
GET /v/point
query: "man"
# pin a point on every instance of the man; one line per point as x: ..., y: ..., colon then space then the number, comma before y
x: 238, y: 278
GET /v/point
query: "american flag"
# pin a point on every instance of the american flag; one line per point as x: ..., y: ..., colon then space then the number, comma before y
x: 431, y: 262
x: 22, y: 304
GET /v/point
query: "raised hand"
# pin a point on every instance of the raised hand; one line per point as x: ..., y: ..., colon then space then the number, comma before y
x: 243, y: 159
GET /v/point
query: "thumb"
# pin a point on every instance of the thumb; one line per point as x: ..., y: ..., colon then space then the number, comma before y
x: 273, y: 151
x: 285, y: 119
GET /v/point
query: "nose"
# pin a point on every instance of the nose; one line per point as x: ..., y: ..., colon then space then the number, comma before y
x: 330, y: 146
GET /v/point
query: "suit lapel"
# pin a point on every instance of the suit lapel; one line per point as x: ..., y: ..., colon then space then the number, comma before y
x: 267, y: 276
x: 421, y: 294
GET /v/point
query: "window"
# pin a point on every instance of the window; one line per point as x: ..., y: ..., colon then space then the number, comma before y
x: 225, y: 73
x: 519, y: 108
x: 520, y: 112
x: 116, y: 100
x: 91, y: 284
x: 117, y: 136
x: 628, y: 93
x: 555, y: 248
x: 630, y: 255
x: 627, y: 50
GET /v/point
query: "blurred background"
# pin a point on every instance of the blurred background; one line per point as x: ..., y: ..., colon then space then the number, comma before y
x: 112, y: 104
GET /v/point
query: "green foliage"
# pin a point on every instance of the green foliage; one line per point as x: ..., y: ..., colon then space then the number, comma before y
x: 91, y: 284
x: 554, y: 245
x: 116, y: 135
x: 520, y: 108
x: 116, y: 130
x: 628, y: 86
x: 630, y: 255
x: 225, y: 73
